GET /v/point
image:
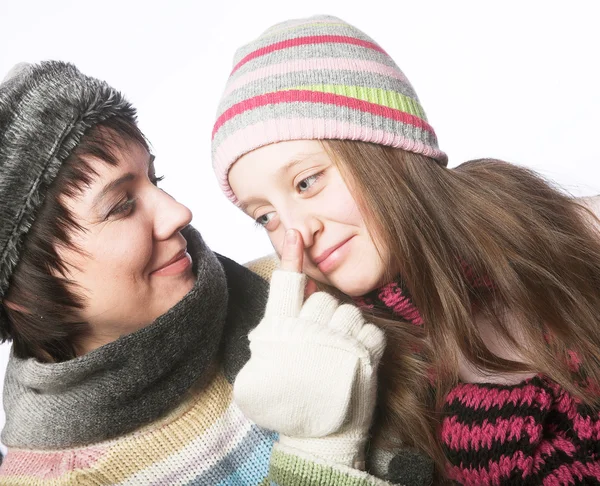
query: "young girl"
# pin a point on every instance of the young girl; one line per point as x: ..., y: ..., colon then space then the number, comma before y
x: 484, y: 276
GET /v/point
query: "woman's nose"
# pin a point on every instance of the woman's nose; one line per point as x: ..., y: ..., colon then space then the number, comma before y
x: 171, y: 217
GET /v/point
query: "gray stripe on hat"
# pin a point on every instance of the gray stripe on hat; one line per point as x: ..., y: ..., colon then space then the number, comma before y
x: 314, y: 29
x: 314, y: 51
x: 317, y: 77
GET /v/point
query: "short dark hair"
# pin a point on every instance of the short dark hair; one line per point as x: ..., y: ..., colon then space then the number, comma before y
x: 40, y: 310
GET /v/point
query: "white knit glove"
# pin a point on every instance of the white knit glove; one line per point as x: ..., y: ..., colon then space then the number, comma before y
x: 312, y: 375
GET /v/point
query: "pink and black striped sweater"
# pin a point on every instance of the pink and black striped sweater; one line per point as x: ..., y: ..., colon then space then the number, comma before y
x: 533, y: 433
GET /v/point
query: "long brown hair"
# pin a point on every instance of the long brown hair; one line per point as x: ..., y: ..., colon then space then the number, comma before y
x: 537, y: 245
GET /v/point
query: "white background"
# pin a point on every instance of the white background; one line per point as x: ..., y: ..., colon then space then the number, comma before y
x: 516, y: 80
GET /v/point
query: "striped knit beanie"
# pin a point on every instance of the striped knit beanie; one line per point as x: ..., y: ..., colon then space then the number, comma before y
x: 315, y: 79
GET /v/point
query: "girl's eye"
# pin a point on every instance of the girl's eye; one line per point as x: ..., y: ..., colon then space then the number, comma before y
x: 155, y: 180
x: 305, y: 184
x: 123, y: 209
x: 265, y: 219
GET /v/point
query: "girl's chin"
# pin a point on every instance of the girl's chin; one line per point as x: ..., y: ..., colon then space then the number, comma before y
x: 356, y: 290
x: 351, y: 285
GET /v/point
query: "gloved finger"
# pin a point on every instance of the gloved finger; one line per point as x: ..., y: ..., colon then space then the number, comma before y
x: 319, y: 308
x: 373, y: 338
x: 347, y: 320
x: 286, y: 294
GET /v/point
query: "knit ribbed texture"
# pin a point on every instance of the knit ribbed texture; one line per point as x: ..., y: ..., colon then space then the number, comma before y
x: 331, y: 416
x: 264, y: 266
x: 314, y: 79
x: 290, y: 468
x: 394, y: 298
x: 201, y: 439
x: 131, y: 381
x: 531, y: 433
x: 206, y: 441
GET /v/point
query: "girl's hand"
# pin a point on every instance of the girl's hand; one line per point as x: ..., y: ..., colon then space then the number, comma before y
x: 312, y: 375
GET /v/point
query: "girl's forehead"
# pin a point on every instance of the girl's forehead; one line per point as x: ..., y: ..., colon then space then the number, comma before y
x: 283, y: 156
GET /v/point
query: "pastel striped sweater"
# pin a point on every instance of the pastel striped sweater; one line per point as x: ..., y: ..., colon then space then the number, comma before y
x: 532, y: 433
x: 204, y: 441
x: 185, y: 434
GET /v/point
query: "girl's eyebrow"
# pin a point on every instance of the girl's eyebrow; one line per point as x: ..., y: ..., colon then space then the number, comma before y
x: 284, y: 169
x: 295, y: 161
x: 245, y: 206
x: 291, y: 164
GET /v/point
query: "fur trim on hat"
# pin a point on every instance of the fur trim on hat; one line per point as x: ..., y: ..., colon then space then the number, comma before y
x: 45, y: 110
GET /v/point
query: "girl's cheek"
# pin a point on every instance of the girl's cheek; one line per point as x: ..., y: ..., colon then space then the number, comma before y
x: 276, y: 242
x: 339, y: 201
x: 343, y: 208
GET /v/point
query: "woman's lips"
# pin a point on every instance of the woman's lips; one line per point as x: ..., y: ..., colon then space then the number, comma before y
x: 334, y: 257
x: 178, y: 266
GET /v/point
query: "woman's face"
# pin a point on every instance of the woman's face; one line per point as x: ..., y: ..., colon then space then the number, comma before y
x: 134, y: 265
x: 296, y: 185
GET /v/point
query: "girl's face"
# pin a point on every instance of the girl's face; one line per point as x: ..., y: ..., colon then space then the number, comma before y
x: 296, y: 185
x: 134, y: 266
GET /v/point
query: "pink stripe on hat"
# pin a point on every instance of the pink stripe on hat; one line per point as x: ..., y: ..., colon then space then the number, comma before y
x: 294, y: 95
x: 315, y: 65
x: 302, y: 41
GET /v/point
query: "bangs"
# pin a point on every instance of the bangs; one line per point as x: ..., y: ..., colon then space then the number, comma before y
x: 43, y: 319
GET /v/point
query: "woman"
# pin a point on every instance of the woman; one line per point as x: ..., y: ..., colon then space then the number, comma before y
x: 127, y: 330
x: 484, y: 277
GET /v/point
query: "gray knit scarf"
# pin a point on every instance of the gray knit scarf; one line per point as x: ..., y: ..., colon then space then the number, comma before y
x: 141, y: 376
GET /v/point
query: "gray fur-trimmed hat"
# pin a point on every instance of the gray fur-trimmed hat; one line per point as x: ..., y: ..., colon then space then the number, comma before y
x: 45, y: 109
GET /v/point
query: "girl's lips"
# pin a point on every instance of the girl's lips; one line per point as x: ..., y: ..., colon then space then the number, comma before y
x: 334, y: 258
x: 175, y: 268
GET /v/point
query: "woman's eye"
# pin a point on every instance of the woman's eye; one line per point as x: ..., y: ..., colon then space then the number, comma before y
x: 305, y: 184
x: 123, y: 209
x: 265, y: 219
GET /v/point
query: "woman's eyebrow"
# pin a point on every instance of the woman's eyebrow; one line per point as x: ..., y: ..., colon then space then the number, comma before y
x: 111, y: 186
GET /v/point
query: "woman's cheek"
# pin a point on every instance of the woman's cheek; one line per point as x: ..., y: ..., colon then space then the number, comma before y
x: 129, y: 255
